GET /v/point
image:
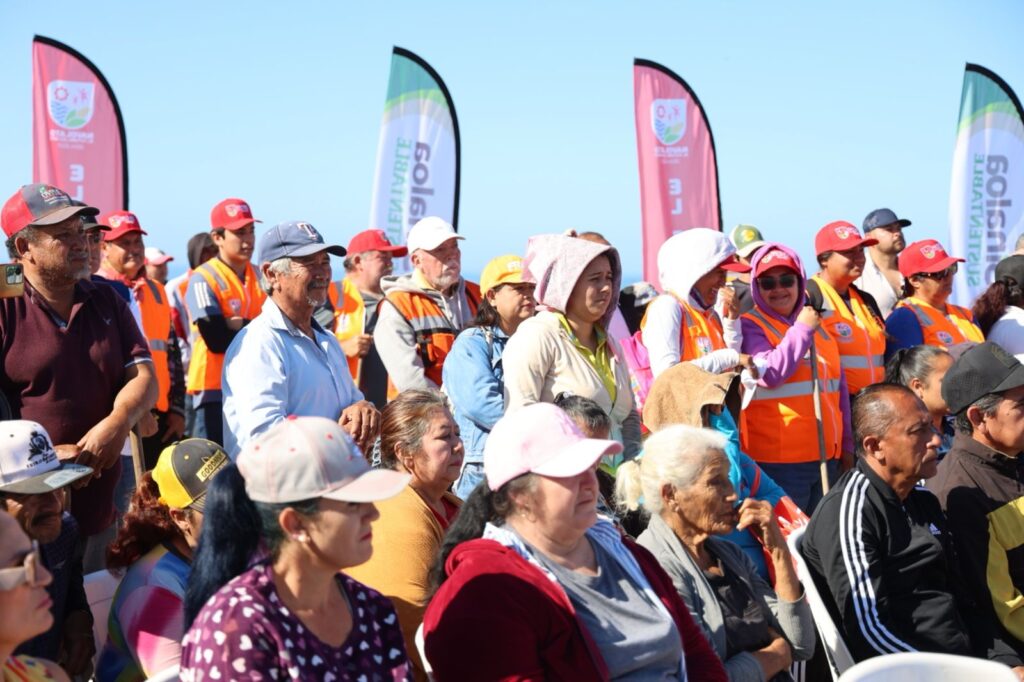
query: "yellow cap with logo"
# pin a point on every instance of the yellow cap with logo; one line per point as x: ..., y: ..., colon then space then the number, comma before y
x: 507, y: 269
x: 184, y: 470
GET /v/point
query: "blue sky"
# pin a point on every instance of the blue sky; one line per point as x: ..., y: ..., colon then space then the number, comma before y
x: 820, y: 111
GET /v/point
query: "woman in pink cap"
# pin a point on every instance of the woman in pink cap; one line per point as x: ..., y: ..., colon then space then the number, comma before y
x: 534, y: 585
x: 266, y: 599
x: 779, y: 428
x: 924, y: 315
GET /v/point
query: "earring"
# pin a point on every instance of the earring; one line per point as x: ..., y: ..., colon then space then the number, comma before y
x: 301, y: 537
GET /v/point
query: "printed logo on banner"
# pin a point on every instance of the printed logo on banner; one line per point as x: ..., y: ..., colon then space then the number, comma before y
x: 668, y: 120
x: 70, y: 103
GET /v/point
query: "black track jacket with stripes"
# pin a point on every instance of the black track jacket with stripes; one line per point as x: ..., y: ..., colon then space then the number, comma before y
x: 886, y: 565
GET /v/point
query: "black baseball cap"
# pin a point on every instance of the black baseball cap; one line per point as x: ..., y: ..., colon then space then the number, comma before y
x: 881, y: 217
x: 985, y: 368
x: 89, y: 220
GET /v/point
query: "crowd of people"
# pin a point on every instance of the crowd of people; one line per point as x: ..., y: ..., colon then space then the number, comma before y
x: 543, y: 475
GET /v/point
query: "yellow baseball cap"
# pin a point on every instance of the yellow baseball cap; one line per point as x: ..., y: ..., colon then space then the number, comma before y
x: 184, y: 469
x: 507, y: 269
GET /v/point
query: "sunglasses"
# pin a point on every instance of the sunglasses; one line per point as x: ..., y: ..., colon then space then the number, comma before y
x: 941, y: 274
x: 28, y: 572
x: 768, y: 283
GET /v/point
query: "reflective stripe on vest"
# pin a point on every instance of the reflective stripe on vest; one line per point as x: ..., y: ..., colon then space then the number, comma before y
x: 794, y: 389
x: 779, y: 426
x: 435, y: 334
x: 205, y: 366
x: 155, y: 313
x: 861, y: 362
x: 859, y: 336
x: 937, y: 329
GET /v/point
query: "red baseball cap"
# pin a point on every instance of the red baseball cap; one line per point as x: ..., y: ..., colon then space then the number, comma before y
x: 926, y: 255
x: 374, y: 240
x: 776, y: 257
x: 120, y: 224
x: 232, y: 214
x: 39, y: 204
x: 733, y: 264
x: 839, y: 236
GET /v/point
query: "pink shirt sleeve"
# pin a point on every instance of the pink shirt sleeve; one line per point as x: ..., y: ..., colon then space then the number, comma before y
x: 153, y: 622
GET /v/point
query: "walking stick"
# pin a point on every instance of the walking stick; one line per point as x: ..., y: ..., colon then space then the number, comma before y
x: 816, y: 395
x: 136, y: 446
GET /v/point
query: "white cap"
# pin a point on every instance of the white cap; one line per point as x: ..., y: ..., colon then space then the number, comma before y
x: 429, y: 233
x: 28, y: 462
x: 155, y: 256
x: 540, y: 439
x: 303, y: 458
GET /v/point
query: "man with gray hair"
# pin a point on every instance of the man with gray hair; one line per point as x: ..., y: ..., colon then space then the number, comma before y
x: 981, y: 488
x: 424, y: 311
x: 877, y: 545
x: 284, y: 363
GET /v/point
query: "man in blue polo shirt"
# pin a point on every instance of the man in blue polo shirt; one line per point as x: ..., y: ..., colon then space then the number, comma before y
x: 283, y: 362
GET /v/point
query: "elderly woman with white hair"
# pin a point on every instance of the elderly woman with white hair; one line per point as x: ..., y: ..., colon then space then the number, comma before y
x: 683, y: 482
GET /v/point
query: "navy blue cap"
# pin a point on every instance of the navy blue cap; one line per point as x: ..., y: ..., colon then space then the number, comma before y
x: 292, y: 240
x: 881, y: 217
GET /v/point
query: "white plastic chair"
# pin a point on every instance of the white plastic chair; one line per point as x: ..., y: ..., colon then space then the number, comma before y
x: 165, y: 675
x: 99, y: 591
x: 839, y: 658
x: 421, y: 648
x: 921, y: 667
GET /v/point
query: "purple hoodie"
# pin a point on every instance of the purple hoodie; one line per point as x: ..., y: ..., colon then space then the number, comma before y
x: 782, y: 360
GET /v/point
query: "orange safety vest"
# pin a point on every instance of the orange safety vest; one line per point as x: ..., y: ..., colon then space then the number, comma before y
x: 349, y: 316
x: 434, y: 332
x: 156, y: 325
x: 859, y: 335
x: 779, y: 426
x: 237, y: 299
x: 699, y: 334
x: 956, y: 326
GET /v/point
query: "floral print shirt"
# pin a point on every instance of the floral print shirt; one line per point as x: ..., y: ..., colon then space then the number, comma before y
x: 245, y: 632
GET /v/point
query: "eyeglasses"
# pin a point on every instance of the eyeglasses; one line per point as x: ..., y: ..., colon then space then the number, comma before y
x: 768, y: 283
x: 28, y: 572
x: 941, y: 274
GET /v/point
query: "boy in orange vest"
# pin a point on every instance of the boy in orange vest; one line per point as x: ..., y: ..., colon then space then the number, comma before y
x: 223, y: 295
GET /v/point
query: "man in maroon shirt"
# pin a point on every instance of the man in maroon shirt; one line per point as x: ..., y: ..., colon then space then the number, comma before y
x: 71, y: 355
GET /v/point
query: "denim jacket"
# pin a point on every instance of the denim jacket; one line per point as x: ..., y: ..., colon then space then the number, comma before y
x: 473, y: 378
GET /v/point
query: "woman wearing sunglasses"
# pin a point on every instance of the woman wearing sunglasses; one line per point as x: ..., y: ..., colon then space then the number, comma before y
x: 779, y: 428
x: 924, y: 316
x: 24, y: 604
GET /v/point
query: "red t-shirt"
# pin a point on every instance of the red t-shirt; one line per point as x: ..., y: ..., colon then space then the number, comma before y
x: 450, y: 510
x: 66, y: 377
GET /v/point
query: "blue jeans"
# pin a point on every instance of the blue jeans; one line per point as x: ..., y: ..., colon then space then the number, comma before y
x: 802, y: 481
x: 472, y: 474
x: 209, y: 422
